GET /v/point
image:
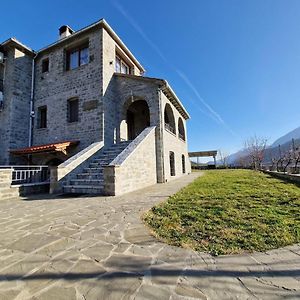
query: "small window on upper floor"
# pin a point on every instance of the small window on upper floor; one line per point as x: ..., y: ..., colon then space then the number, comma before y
x: 77, y: 57
x: 121, y: 66
x: 73, y: 110
x: 45, y: 65
x: 42, y: 117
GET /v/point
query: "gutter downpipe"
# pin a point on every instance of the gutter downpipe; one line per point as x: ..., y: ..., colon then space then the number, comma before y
x: 31, y: 116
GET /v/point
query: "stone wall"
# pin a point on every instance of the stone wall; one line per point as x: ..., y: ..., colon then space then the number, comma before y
x: 134, y: 168
x: 285, y: 176
x: 172, y: 142
x: 55, y: 87
x: 6, y: 192
x: 14, y: 118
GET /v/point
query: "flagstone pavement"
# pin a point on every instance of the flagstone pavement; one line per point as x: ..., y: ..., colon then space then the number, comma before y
x: 98, y: 248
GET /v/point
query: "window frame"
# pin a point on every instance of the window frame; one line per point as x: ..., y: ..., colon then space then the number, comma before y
x: 45, y: 63
x: 122, y: 63
x: 172, y: 164
x: 70, y: 103
x: 183, y: 164
x: 42, y: 117
x: 78, y: 50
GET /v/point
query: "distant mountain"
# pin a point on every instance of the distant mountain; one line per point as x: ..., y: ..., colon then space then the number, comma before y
x: 294, y: 134
x: 272, y: 151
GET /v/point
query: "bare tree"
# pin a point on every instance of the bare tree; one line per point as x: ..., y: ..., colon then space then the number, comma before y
x: 287, y: 159
x: 255, y: 147
x: 296, y: 156
x: 223, y: 157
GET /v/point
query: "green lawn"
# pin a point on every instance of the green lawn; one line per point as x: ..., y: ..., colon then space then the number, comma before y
x: 230, y: 211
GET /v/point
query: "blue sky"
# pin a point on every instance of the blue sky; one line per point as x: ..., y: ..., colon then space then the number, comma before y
x: 234, y: 64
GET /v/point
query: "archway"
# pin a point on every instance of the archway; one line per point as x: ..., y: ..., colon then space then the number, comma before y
x: 169, y: 119
x: 137, y: 118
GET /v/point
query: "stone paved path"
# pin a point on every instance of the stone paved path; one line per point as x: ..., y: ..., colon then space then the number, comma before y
x: 98, y: 248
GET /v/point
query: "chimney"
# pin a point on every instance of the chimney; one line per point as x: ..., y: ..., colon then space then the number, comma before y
x: 65, y: 31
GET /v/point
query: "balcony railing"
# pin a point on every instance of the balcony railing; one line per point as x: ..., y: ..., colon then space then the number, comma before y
x: 181, y: 137
x: 170, y: 128
x: 28, y: 174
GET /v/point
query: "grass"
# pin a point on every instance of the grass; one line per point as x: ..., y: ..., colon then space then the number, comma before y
x: 230, y: 211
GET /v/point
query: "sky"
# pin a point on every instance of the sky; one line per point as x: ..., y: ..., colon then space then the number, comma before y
x: 235, y: 65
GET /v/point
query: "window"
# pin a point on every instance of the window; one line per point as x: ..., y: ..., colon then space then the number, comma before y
x: 169, y: 119
x: 77, y: 57
x: 45, y: 65
x: 121, y: 66
x: 183, y: 163
x: 172, y: 163
x: 181, y: 132
x: 73, y: 110
x: 42, y: 117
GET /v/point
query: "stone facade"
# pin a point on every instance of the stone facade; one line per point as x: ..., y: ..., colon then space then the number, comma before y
x: 15, y: 84
x: 114, y: 103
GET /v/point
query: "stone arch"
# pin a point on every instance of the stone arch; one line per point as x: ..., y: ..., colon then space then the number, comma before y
x: 169, y: 119
x: 181, y: 131
x: 135, y: 118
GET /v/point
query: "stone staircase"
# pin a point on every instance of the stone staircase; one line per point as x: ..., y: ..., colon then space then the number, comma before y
x: 90, y: 180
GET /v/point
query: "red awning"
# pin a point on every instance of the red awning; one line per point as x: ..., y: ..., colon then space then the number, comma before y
x: 54, y: 147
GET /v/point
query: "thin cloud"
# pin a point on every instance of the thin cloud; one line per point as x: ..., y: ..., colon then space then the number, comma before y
x: 210, y: 111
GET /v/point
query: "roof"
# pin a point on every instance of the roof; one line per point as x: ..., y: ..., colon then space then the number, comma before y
x: 165, y: 87
x: 203, y: 153
x: 102, y: 24
x: 54, y: 147
x: 13, y: 41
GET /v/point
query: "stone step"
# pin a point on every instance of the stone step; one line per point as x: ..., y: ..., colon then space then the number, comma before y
x: 90, y: 176
x: 94, y: 182
x: 83, y: 189
x: 99, y: 164
x: 93, y: 170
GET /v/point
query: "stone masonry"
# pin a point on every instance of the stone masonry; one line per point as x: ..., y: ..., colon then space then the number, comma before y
x: 14, y: 116
x: 111, y: 106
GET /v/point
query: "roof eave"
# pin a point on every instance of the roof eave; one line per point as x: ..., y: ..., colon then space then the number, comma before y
x: 18, y: 44
x: 169, y: 91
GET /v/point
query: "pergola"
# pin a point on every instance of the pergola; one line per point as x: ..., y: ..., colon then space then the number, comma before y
x: 197, y: 154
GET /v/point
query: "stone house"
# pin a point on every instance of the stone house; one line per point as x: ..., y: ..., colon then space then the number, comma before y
x: 83, y: 106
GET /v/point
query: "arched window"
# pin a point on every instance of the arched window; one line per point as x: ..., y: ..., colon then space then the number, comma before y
x: 169, y: 119
x: 183, y: 163
x: 172, y: 163
x: 181, y: 132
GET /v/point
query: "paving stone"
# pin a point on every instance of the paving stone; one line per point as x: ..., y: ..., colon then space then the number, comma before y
x: 32, y: 242
x: 57, y: 293
x: 98, y: 252
x: 152, y: 292
x: 128, y: 263
x: 98, y: 248
x: 114, y: 286
x: 186, y: 290
x: 138, y: 235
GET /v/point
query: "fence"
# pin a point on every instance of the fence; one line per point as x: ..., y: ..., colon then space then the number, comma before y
x: 28, y: 174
